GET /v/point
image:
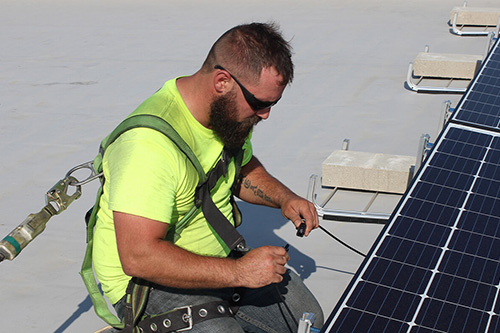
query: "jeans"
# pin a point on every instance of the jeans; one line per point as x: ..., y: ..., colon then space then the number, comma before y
x: 261, y: 310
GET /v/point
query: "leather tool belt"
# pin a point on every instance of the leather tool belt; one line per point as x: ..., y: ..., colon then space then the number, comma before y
x: 184, y: 318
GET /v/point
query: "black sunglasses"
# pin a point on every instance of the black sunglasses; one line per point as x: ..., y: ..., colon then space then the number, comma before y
x: 255, y: 103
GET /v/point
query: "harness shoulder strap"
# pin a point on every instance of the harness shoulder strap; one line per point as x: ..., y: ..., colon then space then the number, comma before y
x: 156, y: 123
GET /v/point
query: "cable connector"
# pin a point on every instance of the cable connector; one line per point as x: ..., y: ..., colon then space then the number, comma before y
x: 301, y: 230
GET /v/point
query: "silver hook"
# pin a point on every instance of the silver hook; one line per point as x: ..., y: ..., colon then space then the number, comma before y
x: 93, y: 174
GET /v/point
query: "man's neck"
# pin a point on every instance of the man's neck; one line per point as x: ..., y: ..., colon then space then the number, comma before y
x: 196, y: 95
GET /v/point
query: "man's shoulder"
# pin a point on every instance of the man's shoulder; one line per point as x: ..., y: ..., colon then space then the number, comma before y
x: 168, y: 105
x: 146, y: 140
x: 163, y: 103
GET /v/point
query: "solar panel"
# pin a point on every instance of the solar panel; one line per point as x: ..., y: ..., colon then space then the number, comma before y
x: 480, y: 105
x: 436, y: 265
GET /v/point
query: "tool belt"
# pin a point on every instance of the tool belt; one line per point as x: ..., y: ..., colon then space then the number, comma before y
x: 177, y: 320
x: 184, y: 318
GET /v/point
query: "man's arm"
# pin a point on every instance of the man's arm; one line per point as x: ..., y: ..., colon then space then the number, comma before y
x: 144, y: 253
x: 257, y: 186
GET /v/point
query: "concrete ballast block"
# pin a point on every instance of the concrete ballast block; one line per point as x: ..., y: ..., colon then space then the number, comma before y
x: 367, y: 171
x: 475, y: 16
x: 445, y: 65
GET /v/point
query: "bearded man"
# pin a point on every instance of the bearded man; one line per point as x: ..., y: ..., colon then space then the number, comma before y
x: 150, y: 186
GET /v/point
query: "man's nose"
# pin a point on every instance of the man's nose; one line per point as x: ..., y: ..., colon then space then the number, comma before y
x: 264, y: 113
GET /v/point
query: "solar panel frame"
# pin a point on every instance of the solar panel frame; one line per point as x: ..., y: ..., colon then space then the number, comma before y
x: 447, y: 277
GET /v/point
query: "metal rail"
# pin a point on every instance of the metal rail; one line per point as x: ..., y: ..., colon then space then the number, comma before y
x: 343, y: 215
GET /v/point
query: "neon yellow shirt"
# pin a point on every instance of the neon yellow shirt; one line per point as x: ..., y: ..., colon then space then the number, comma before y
x: 148, y: 176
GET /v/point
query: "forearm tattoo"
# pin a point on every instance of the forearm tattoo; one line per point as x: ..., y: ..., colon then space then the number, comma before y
x: 255, y: 189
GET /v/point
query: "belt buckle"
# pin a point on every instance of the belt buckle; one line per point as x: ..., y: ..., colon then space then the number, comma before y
x: 186, y: 317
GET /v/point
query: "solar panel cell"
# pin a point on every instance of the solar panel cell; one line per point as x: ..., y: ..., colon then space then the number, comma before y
x: 429, y: 211
x: 474, y: 268
x: 487, y: 187
x: 462, y: 291
x: 447, y: 317
x: 480, y: 223
x: 446, y: 178
x: 405, y: 277
x: 476, y: 244
x: 455, y: 163
x: 357, y: 322
x: 484, y: 204
x: 385, y: 302
x: 408, y: 252
x: 439, y: 194
x: 489, y: 172
x: 420, y: 231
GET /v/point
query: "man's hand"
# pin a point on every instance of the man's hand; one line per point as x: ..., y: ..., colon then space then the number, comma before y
x: 257, y: 186
x: 262, y: 266
x: 299, y: 210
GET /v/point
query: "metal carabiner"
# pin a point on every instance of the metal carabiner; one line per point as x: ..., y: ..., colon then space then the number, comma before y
x: 93, y: 174
x: 58, y: 196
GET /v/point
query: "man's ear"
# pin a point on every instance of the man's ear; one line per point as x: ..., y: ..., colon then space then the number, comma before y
x: 222, y: 82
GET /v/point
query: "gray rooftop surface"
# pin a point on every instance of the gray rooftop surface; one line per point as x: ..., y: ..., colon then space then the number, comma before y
x: 71, y: 70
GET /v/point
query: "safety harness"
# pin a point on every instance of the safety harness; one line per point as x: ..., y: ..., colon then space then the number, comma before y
x: 138, y: 289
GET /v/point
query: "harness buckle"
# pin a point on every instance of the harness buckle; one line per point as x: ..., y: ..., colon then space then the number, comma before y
x: 186, y: 317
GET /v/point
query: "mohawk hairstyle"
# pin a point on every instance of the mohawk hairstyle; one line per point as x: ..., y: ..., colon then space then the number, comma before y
x: 246, y: 49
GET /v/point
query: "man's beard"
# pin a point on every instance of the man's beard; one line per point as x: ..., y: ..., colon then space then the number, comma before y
x: 232, y: 133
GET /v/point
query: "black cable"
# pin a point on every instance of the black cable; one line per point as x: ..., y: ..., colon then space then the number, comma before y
x: 300, y: 233
x: 342, y: 242
x: 302, y: 229
x: 287, y: 309
x: 286, y: 247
